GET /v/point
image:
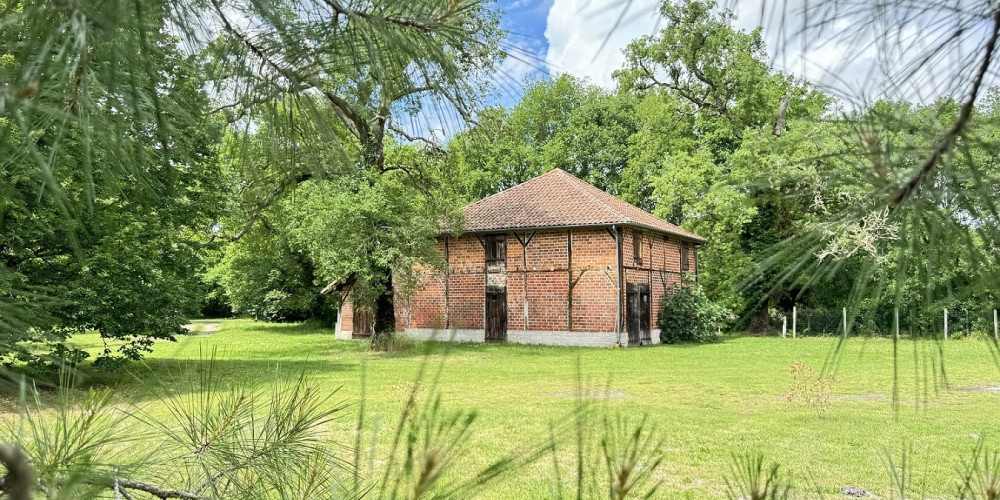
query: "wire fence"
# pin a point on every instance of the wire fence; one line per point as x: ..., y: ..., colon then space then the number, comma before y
x: 952, y: 322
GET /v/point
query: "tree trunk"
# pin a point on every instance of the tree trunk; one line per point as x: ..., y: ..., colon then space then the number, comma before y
x: 760, y: 322
x: 384, y: 314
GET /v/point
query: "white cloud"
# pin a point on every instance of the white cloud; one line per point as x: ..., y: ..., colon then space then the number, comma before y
x: 843, y: 59
x: 577, y: 29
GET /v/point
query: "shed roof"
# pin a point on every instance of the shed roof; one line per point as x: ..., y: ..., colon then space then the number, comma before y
x: 558, y: 199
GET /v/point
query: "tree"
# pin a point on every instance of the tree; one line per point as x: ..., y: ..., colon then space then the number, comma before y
x: 94, y: 233
x: 107, y: 141
x: 330, y: 228
x: 562, y: 123
x: 936, y: 249
x: 358, y: 105
x: 715, y: 125
x: 925, y: 175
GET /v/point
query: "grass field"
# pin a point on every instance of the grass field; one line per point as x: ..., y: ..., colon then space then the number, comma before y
x: 709, y: 401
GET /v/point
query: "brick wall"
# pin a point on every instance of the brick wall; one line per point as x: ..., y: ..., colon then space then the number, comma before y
x: 660, y: 267
x: 346, y: 317
x: 539, y: 278
x: 538, y: 283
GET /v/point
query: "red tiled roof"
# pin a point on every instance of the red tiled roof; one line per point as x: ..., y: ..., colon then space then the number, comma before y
x: 558, y: 199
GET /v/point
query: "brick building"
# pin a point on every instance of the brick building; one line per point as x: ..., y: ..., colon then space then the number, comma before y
x: 551, y: 261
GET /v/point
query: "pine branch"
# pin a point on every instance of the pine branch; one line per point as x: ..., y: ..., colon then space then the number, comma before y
x: 17, y: 484
x: 18, y: 488
x: 406, y: 23
x: 948, y: 141
x: 156, y: 491
x: 356, y: 124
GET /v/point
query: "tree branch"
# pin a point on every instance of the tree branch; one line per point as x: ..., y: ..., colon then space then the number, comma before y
x: 685, y: 93
x: 156, y: 491
x: 414, y: 138
x: 406, y: 23
x: 18, y: 482
x: 948, y: 141
x: 258, y: 211
x: 351, y: 119
x: 414, y: 90
x: 21, y: 490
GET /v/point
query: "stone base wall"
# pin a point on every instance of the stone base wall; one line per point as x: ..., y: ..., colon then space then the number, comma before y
x: 580, y: 339
x: 562, y: 338
x: 343, y: 334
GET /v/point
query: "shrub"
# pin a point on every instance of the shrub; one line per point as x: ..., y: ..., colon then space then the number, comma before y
x: 810, y: 389
x: 394, y: 342
x: 687, y: 315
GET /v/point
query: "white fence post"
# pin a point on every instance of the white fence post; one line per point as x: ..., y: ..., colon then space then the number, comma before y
x: 845, y: 322
x: 946, y: 323
x: 795, y: 314
x: 784, y: 326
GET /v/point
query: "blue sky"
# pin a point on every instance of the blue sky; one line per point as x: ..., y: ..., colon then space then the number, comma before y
x: 548, y: 37
x: 846, y: 59
x: 525, y: 21
x: 580, y: 37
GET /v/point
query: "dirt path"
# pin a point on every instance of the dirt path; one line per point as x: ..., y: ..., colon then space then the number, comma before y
x: 203, y: 328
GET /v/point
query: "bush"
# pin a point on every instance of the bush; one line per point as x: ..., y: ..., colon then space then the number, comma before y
x: 394, y: 342
x: 687, y: 315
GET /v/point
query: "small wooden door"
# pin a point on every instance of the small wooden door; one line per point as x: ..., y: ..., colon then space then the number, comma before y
x: 496, y: 316
x: 496, y: 288
x: 637, y: 314
x: 364, y: 324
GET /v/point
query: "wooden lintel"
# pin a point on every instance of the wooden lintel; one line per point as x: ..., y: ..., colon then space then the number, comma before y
x: 634, y: 268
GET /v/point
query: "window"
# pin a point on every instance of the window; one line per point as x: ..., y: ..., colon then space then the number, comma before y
x: 637, y: 247
x: 496, y: 249
x: 685, y: 260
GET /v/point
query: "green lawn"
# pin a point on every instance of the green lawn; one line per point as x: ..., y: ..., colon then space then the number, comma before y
x: 709, y: 401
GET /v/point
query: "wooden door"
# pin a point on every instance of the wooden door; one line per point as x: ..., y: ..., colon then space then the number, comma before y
x: 637, y: 314
x: 496, y: 288
x: 364, y: 324
x: 644, y: 334
x: 496, y: 316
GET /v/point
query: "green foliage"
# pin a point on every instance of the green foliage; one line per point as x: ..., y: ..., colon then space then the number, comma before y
x: 980, y: 479
x: 265, y: 279
x: 688, y: 315
x: 355, y: 227
x: 633, y: 453
x: 750, y: 479
x: 933, y: 251
x: 108, y: 145
x: 106, y: 180
x: 716, y: 107
x: 562, y: 123
x: 394, y: 342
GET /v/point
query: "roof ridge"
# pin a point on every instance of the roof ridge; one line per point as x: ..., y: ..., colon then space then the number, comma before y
x: 586, y: 192
x: 562, y: 200
x: 515, y: 186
